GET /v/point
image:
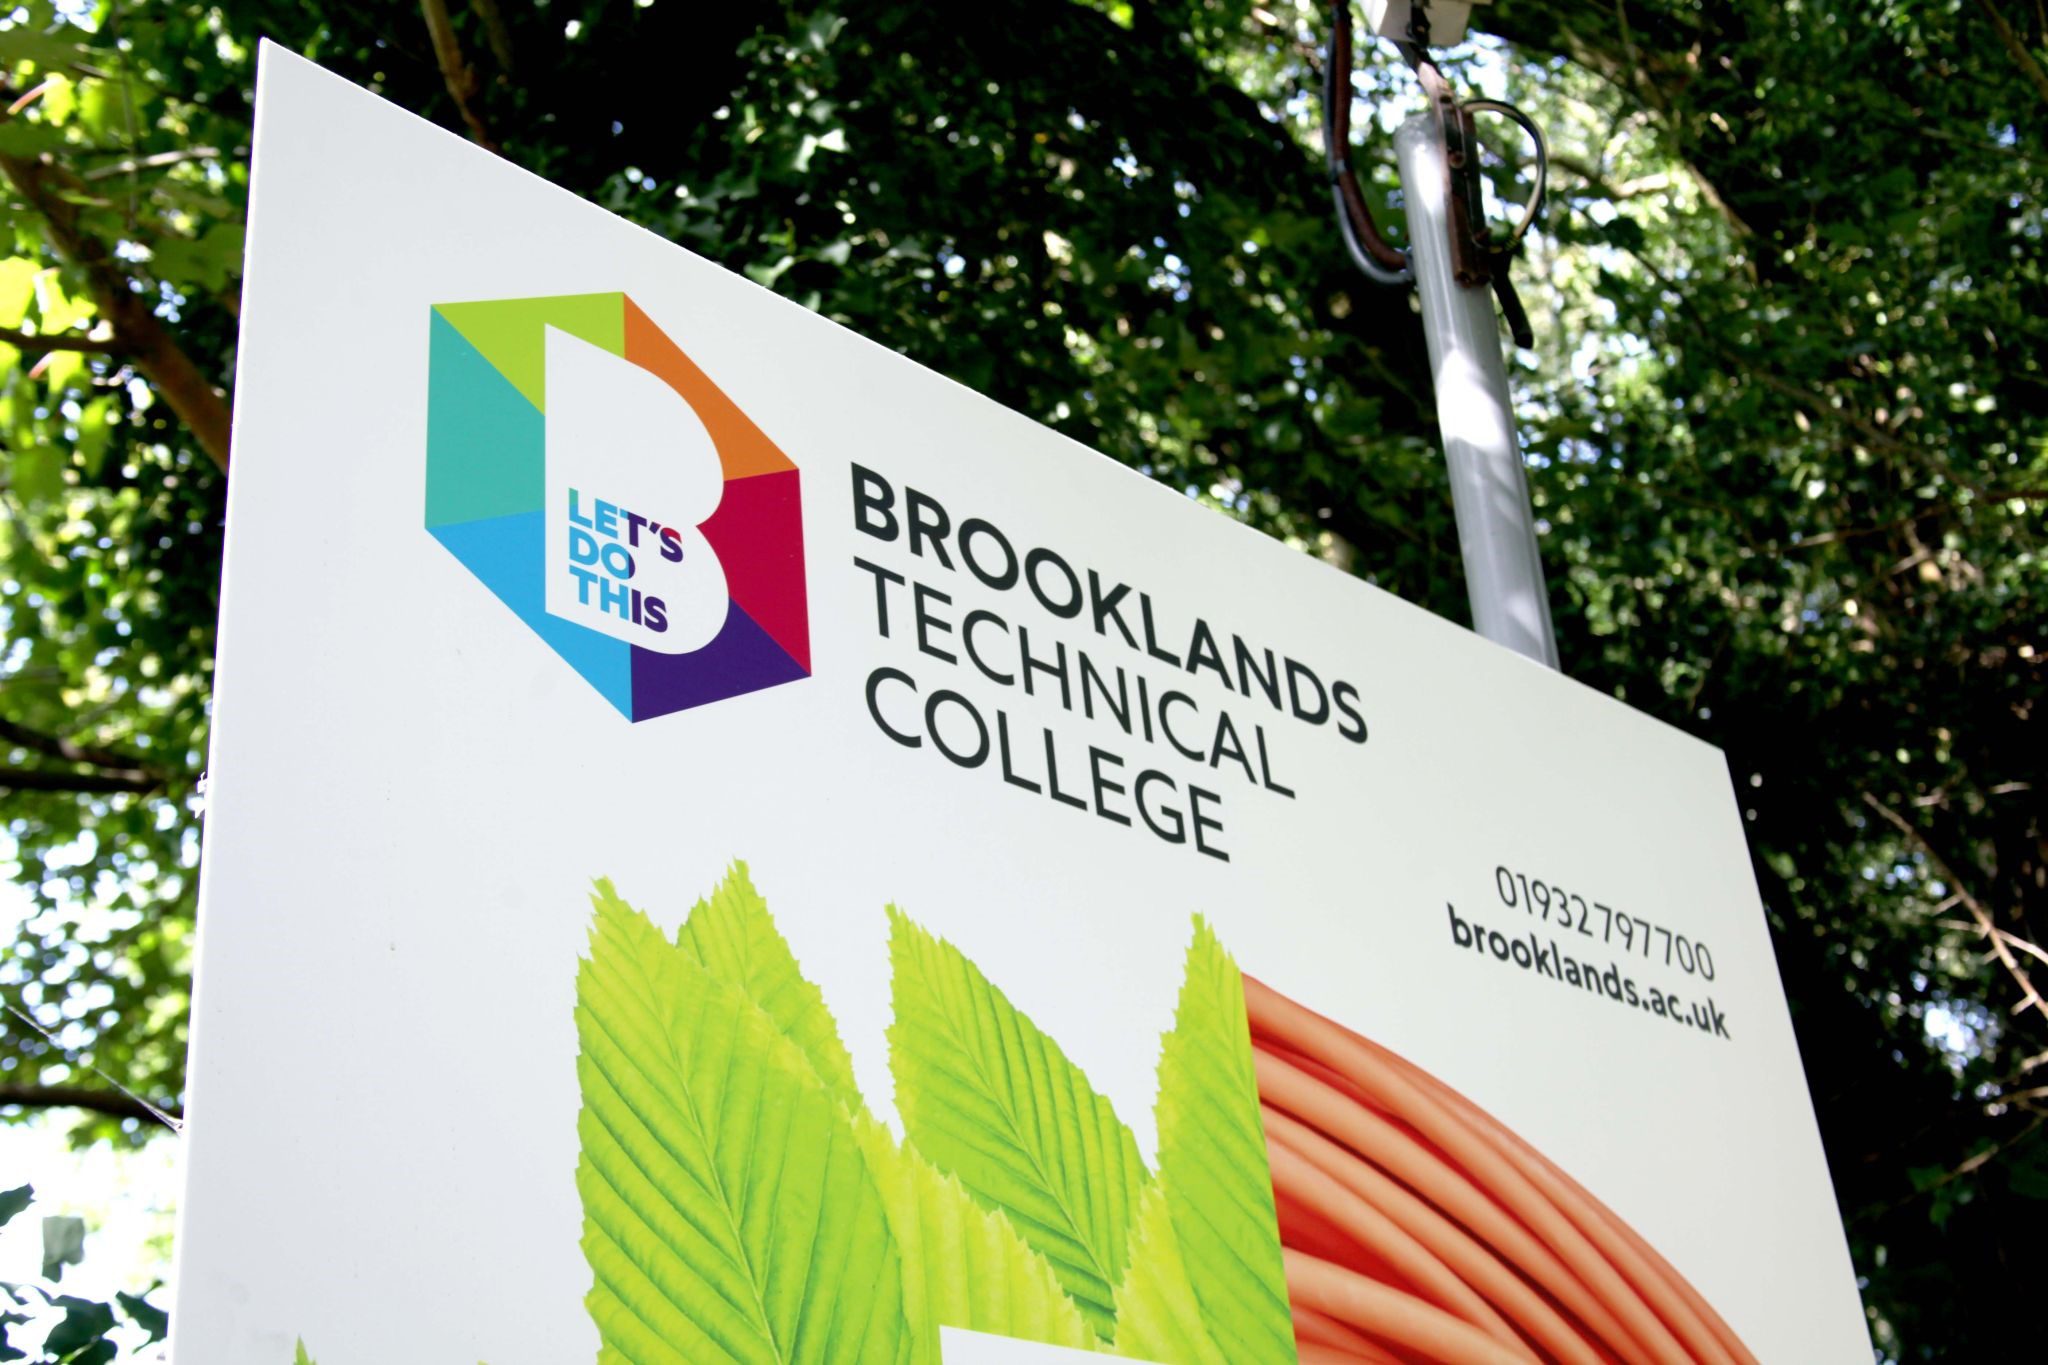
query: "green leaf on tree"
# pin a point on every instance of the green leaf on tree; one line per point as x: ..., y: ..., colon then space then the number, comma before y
x: 14, y: 1201
x: 81, y: 1337
x: 146, y: 1315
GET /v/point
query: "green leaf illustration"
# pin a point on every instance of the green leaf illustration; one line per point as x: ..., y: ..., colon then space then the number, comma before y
x: 299, y: 1357
x: 1158, y: 1316
x: 729, y: 1214
x: 988, y: 1097
x: 735, y: 939
x: 965, y: 1266
x: 1212, y: 1163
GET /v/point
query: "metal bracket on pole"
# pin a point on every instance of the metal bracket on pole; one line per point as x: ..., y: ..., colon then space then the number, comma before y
x: 1489, y: 488
x: 1455, y: 265
x: 1394, y: 18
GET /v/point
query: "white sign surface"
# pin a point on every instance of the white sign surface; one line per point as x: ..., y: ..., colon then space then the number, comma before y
x: 979, y: 1348
x: 557, y: 554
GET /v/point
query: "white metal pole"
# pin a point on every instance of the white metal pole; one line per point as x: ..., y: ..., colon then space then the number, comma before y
x: 1489, y: 488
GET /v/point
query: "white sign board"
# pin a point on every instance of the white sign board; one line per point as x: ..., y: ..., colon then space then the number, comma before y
x: 725, y: 845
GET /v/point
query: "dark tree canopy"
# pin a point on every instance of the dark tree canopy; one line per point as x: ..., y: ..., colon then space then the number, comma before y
x: 1786, y: 421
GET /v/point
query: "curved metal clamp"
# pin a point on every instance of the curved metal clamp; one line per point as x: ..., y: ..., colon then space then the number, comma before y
x: 1476, y: 259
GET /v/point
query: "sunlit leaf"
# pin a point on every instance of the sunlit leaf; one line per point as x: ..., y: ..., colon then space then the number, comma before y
x: 988, y: 1097
x: 729, y: 1213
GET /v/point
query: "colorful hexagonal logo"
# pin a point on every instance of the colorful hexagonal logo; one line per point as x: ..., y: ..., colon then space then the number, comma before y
x: 604, y: 489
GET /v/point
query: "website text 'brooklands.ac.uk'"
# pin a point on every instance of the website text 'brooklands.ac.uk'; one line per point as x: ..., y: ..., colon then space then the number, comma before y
x: 1535, y: 952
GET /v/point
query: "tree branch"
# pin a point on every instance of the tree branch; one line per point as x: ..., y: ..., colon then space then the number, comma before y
x: 112, y: 1103
x: 57, y: 747
x: 2017, y: 48
x: 44, y: 780
x: 1986, y: 925
x: 1821, y: 404
x: 457, y: 74
x: 495, y: 32
x: 1968, y: 1167
x: 1628, y: 73
x: 138, y: 331
x: 1824, y: 407
x: 1627, y: 189
x: 151, y: 163
x: 37, y: 343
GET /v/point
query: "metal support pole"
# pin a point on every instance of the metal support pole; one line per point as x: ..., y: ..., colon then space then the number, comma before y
x: 1489, y: 489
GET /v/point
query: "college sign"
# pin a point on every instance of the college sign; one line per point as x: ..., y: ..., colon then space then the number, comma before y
x: 1132, y: 937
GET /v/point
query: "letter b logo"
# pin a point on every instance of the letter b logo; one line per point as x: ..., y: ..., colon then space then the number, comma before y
x: 529, y: 398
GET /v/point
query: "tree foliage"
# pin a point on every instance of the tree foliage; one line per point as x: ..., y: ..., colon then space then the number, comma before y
x: 1787, y: 426
x: 74, y: 1330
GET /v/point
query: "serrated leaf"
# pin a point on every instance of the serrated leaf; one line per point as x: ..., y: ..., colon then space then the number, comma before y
x: 733, y: 937
x: 1212, y: 1163
x: 987, y: 1096
x: 964, y: 1265
x: 729, y: 1214
x: 1158, y: 1316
